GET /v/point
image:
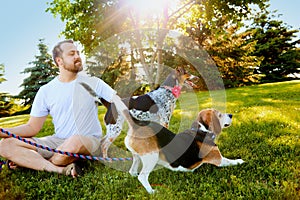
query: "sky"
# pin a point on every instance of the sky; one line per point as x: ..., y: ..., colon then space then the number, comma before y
x: 24, y: 22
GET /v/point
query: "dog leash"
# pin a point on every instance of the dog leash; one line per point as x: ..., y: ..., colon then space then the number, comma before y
x: 2, y: 162
x: 86, y: 157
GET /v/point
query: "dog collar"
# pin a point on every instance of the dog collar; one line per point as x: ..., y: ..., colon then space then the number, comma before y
x: 202, y: 128
x: 176, y: 90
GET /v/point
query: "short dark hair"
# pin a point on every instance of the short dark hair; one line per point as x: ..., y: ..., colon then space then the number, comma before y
x: 57, y: 51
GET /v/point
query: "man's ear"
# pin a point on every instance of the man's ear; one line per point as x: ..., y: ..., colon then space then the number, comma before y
x: 58, y: 60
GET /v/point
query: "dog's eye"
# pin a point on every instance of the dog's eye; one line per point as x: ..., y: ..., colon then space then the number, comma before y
x: 220, y: 115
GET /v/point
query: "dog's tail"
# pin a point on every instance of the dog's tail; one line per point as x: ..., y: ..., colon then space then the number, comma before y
x: 91, y: 92
x: 121, y: 107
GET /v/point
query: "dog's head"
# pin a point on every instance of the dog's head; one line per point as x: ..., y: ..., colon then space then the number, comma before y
x: 213, y: 120
x: 185, y: 78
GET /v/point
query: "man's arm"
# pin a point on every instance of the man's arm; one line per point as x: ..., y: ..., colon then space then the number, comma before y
x: 30, y: 129
x: 119, y: 103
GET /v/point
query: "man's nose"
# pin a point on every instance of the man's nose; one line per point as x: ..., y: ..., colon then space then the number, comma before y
x: 77, y: 55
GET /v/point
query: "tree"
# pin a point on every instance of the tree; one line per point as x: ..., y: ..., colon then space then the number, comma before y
x: 2, y: 71
x: 92, y: 22
x: 233, y: 57
x: 222, y: 38
x: 274, y: 42
x: 5, y: 99
x: 42, y: 71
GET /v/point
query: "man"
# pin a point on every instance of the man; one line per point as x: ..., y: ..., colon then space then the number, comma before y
x: 74, y: 114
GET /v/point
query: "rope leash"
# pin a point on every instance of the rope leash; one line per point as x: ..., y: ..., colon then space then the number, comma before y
x: 86, y: 157
x: 2, y: 162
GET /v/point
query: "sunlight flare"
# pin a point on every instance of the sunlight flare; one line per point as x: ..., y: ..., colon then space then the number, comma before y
x: 153, y: 6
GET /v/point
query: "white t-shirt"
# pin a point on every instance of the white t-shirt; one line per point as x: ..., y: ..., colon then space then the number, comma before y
x: 72, y: 108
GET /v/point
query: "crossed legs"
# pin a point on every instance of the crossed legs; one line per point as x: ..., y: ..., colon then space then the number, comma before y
x: 26, y: 155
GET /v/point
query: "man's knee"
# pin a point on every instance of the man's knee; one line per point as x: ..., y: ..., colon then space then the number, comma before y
x: 71, y: 145
x: 77, y: 144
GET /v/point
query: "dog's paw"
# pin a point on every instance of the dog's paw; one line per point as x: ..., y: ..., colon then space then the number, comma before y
x: 239, y: 161
x: 134, y: 174
x: 227, y: 162
x: 151, y: 191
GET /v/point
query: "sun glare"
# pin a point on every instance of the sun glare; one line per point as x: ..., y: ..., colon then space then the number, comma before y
x: 154, y: 6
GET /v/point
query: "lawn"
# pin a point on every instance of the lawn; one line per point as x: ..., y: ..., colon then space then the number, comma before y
x: 265, y: 133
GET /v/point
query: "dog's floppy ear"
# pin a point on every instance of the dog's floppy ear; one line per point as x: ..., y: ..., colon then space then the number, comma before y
x: 210, y: 120
x: 203, y: 119
x: 215, y: 123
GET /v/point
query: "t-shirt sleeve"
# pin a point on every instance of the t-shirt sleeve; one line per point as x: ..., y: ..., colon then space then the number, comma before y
x: 105, y: 91
x: 39, y: 106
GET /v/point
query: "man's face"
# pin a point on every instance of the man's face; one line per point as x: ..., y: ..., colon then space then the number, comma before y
x: 70, y: 60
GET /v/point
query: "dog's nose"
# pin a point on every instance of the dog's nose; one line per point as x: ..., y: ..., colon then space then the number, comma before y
x: 230, y: 116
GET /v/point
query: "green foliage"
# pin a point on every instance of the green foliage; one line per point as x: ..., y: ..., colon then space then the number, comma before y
x: 2, y: 71
x: 274, y: 43
x: 232, y: 55
x: 6, y: 104
x: 265, y: 50
x: 221, y: 36
x: 91, y: 22
x: 94, y: 22
x: 42, y: 71
x: 88, y: 21
x: 265, y: 133
x: 5, y: 99
x: 111, y: 72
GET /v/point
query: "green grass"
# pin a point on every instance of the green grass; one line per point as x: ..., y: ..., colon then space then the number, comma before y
x: 264, y: 133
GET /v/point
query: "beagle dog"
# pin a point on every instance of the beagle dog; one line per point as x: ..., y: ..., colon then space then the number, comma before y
x: 152, y: 144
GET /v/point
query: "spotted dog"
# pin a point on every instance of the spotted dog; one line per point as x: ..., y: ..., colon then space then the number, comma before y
x: 156, y: 105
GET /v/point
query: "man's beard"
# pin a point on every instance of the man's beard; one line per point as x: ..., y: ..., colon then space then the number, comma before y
x: 77, y: 67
